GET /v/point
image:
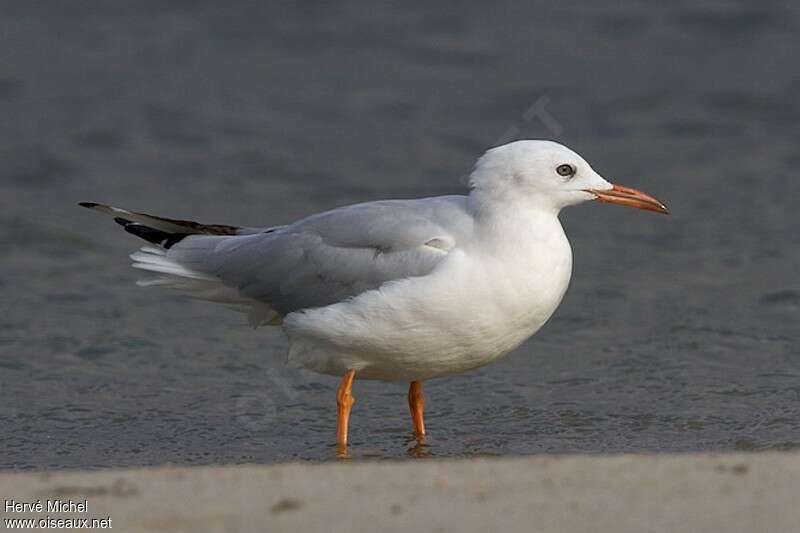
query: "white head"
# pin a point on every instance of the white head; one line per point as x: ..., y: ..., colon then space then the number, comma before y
x: 547, y: 175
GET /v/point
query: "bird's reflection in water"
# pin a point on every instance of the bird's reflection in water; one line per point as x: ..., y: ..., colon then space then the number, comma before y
x: 342, y: 452
x: 418, y: 449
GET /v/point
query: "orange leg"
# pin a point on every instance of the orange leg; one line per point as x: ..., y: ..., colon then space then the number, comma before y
x: 344, y: 402
x: 416, y: 402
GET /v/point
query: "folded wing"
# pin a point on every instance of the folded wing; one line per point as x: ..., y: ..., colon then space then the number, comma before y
x: 316, y: 261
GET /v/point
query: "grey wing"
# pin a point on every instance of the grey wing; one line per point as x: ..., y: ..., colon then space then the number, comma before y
x: 334, y: 255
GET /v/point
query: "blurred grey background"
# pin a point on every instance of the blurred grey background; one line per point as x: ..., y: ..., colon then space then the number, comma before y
x: 678, y: 333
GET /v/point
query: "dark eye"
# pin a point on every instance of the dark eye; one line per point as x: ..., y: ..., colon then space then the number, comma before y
x: 565, y: 170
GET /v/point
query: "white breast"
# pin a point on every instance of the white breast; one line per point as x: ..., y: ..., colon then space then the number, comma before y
x: 475, y: 307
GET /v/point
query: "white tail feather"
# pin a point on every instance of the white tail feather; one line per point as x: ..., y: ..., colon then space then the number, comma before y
x: 144, y: 259
x: 199, y: 285
x: 153, y: 250
x: 172, y: 270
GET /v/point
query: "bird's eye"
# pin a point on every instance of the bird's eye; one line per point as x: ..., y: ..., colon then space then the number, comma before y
x: 565, y: 170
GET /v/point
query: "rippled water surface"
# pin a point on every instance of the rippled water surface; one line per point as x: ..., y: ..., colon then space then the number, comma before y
x: 677, y: 333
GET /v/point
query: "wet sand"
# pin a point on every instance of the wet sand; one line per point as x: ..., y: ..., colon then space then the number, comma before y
x: 622, y: 493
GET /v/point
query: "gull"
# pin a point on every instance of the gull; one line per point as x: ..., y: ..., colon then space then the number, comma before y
x: 396, y: 290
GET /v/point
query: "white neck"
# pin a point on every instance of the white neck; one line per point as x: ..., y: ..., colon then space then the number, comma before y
x: 523, y: 245
x: 515, y: 225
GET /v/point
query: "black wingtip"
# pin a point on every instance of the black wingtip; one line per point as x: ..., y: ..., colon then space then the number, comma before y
x: 155, y: 236
x: 88, y: 205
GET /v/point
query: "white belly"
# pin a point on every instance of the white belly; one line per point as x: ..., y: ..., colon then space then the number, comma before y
x: 465, y: 314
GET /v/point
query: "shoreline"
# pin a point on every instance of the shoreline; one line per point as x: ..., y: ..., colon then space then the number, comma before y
x: 732, y: 492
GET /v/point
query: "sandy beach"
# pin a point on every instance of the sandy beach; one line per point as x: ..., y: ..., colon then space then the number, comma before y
x: 622, y: 493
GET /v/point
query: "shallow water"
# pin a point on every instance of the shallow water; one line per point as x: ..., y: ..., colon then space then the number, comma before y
x: 677, y: 333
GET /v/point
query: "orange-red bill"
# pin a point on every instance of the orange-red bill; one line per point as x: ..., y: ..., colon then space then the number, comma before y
x: 630, y: 197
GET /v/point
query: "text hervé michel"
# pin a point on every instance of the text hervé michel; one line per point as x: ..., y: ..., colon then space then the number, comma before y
x: 50, y: 506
